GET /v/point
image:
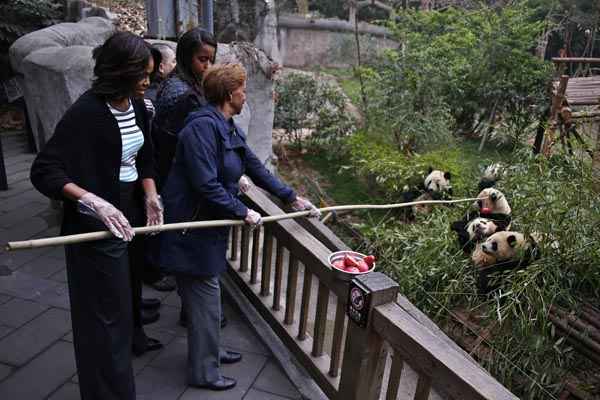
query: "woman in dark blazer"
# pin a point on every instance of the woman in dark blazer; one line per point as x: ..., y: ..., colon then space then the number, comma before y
x: 211, y: 156
x: 99, y: 163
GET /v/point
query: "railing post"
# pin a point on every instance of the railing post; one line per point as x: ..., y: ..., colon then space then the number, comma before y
x: 364, y: 353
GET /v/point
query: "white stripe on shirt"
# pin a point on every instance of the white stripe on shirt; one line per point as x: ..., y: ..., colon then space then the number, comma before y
x: 132, y: 140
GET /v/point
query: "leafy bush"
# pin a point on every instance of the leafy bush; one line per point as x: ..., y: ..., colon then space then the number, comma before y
x: 20, y: 17
x: 390, y: 171
x: 311, y: 110
x: 452, y: 66
x: 552, y: 197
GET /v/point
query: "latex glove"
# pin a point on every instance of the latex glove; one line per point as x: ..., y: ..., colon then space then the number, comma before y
x: 302, y: 204
x: 244, y: 184
x: 115, y: 221
x: 154, y: 210
x: 150, y: 107
x: 253, y: 218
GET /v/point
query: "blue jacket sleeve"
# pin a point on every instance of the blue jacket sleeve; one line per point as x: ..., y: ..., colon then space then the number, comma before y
x: 263, y: 178
x: 201, y: 156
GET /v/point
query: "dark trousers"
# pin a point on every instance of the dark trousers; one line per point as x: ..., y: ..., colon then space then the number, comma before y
x: 202, y: 301
x: 133, y: 211
x: 101, y: 315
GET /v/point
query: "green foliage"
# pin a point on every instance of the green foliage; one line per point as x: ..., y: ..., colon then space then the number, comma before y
x: 308, y: 104
x: 551, y: 197
x: 451, y: 67
x: 390, y: 171
x: 20, y: 17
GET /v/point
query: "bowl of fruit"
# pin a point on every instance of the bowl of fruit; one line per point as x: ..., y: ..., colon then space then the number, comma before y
x: 348, y: 264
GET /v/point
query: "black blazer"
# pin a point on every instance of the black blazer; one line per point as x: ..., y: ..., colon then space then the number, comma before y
x: 86, y: 150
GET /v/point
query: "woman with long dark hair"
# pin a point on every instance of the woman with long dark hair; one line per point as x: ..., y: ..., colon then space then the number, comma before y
x: 181, y: 94
x: 99, y: 163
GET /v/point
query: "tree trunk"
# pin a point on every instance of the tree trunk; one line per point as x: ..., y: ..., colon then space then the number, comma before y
x: 235, y: 11
x: 352, y: 11
x: 596, y: 162
x: 302, y: 7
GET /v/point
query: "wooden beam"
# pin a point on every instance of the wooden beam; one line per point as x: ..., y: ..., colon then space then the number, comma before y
x: 576, y: 60
x: 557, y: 100
x: 429, y: 355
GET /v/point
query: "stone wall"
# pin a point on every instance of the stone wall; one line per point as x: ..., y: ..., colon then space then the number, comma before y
x: 305, y: 43
x: 55, y: 67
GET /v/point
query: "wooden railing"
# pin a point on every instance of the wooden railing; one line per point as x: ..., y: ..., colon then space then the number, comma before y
x: 282, y: 268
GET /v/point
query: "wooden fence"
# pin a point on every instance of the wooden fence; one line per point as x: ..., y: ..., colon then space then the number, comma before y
x: 282, y: 268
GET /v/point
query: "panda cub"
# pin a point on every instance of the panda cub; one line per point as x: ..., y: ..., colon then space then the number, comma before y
x: 492, y: 174
x: 493, y: 215
x: 437, y: 187
x: 504, y: 247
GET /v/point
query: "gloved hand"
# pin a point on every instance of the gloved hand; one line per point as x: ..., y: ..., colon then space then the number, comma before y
x: 302, y: 204
x: 253, y: 218
x: 115, y: 221
x: 154, y: 210
x: 244, y: 184
x: 150, y: 107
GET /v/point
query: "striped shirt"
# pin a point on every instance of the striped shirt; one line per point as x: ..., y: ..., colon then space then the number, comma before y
x: 132, y: 139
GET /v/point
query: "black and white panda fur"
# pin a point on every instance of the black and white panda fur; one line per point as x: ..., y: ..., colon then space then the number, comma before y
x: 436, y: 186
x: 493, y: 214
x: 502, y: 251
x: 492, y: 174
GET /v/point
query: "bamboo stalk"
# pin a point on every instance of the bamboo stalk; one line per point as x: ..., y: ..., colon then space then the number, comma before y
x: 92, y: 236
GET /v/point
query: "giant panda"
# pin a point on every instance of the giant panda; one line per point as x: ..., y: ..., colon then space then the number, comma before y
x: 493, y: 214
x: 436, y: 186
x: 502, y: 251
x: 491, y: 174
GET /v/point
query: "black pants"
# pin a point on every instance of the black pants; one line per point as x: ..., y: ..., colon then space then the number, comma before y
x: 131, y: 206
x: 101, y: 314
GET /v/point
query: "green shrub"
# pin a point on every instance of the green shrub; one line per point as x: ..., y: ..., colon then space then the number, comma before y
x: 551, y: 197
x: 20, y: 17
x: 453, y: 66
x: 308, y: 104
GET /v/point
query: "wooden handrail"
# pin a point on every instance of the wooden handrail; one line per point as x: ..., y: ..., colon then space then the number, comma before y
x: 283, y: 270
x: 429, y: 355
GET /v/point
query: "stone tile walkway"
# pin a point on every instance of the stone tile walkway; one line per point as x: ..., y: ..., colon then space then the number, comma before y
x: 36, y: 351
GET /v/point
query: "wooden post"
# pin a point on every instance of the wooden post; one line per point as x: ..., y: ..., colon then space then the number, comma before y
x: 3, y: 180
x: 364, y: 353
x: 596, y: 162
x: 557, y: 100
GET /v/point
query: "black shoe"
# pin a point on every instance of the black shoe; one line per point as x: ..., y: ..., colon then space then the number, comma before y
x: 166, y: 284
x: 151, y: 345
x: 222, y: 384
x: 149, y: 316
x: 150, y: 304
x: 230, y: 357
x: 223, y: 321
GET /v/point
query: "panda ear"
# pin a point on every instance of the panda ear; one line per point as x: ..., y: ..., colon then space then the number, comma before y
x: 447, y: 176
x: 512, y: 240
x: 429, y: 169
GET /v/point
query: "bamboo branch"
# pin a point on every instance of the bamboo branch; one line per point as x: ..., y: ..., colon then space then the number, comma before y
x: 92, y: 236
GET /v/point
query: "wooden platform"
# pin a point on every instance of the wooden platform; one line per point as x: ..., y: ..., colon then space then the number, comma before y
x: 582, y: 91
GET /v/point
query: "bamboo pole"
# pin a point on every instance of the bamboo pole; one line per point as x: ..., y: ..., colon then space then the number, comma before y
x: 92, y: 236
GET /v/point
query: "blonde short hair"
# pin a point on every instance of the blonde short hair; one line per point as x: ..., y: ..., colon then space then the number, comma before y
x: 221, y: 80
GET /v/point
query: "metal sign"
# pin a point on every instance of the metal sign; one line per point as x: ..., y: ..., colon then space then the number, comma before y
x: 359, y: 299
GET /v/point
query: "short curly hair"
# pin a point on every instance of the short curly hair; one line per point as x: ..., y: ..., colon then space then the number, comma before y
x: 221, y: 80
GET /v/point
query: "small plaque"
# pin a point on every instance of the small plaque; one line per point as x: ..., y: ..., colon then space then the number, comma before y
x: 358, y: 303
x: 12, y: 90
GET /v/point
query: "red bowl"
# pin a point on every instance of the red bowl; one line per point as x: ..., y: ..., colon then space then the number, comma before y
x: 343, y: 275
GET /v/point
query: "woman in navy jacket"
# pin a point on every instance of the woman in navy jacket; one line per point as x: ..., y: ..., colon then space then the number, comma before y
x: 99, y: 162
x: 211, y: 156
